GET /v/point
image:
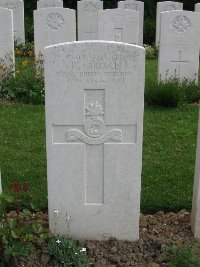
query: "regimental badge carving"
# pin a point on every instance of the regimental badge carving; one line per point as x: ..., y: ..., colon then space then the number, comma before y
x: 90, y: 7
x: 170, y: 8
x: 55, y: 21
x: 95, y: 128
x: 181, y: 24
x: 11, y: 5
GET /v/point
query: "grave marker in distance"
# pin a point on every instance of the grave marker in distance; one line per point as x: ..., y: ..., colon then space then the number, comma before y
x: 137, y: 6
x: 179, y: 46
x: 163, y: 7
x: 53, y: 25
x: 87, y: 12
x: 7, y: 38
x: 119, y: 25
x: 49, y: 3
x: 17, y: 7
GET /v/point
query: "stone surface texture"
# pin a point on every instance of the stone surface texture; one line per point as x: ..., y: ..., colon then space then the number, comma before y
x: 163, y: 7
x: 53, y: 25
x: 17, y: 7
x: 137, y: 6
x: 195, y: 221
x: 6, y: 37
x: 179, y: 46
x: 197, y: 7
x: 94, y: 125
x: 119, y: 25
x: 87, y: 12
x: 49, y: 3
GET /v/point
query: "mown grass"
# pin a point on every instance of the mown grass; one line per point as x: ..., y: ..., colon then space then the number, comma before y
x: 168, y: 151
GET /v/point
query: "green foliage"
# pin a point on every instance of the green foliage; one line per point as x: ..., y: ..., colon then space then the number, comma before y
x: 26, y: 86
x: 29, y: 29
x: 149, y: 31
x: 163, y: 94
x: 151, y: 52
x: 67, y: 252
x: 24, y: 50
x: 184, y: 256
x: 171, y: 93
x: 17, y: 232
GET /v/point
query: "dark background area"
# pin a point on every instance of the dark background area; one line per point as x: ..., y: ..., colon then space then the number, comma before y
x: 149, y: 15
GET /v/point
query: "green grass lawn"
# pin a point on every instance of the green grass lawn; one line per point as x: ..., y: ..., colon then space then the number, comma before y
x: 168, y: 154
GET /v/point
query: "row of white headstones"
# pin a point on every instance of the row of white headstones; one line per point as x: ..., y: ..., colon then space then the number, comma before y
x: 177, y: 32
x: 94, y: 101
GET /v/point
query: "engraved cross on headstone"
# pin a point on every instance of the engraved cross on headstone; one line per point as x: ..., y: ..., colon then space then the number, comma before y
x: 118, y: 34
x: 95, y: 134
x: 179, y: 61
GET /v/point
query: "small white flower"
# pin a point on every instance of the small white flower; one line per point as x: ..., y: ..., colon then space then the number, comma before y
x: 83, y: 250
x: 76, y: 253
x: 58, y: 241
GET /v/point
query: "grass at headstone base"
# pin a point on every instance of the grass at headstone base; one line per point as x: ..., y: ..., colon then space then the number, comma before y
x: 168, y: 154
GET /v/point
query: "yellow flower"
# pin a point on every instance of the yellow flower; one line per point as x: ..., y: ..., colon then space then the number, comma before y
x: 38, y: 72
x: 25, y: 63
x: 3, y: 67
x: 18, y: 52
x: 17, y: 72
x: 30, y: 53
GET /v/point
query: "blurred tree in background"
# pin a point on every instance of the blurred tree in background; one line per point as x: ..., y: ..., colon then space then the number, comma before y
x: 149, y: 15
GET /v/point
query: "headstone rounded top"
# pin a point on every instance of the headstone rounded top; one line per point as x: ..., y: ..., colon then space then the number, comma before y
x: 90, y: 6
x: 170, y: 7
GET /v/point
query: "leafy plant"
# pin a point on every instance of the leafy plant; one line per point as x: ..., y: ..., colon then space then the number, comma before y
x: 27, y: 85
x: 67, y: 252
x: 17, y: 231
x: 151, y: 52
x: 171, y: 93
x: 184, y: 256
x: 25, y: 50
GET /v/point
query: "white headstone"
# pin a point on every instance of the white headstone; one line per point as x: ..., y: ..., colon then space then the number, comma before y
x: 163, y: 7
x: 119, y: 25
x: 87, y: 12
x: 94, y: 125
x: 179, y: 46
x: 53, y: 25
x: 195, y: 218
x: 18, y: 18
x: 49, y: 3
x: 137, y: 6
x: 6, y: 38
x: 197, y: 7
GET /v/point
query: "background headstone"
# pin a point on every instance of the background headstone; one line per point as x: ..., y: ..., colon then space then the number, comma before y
x: 120, y: 25
x: 163, y: 7
x: 138, y: 6
x: 53, y: 25
x: 197, y: 7
x: 49, y: 3
x: 94, y: 125
x: 18, y: 18
x: 6, y: 38
x: 195, y: 222
x: 87, y: 12
x: 179, y: 46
